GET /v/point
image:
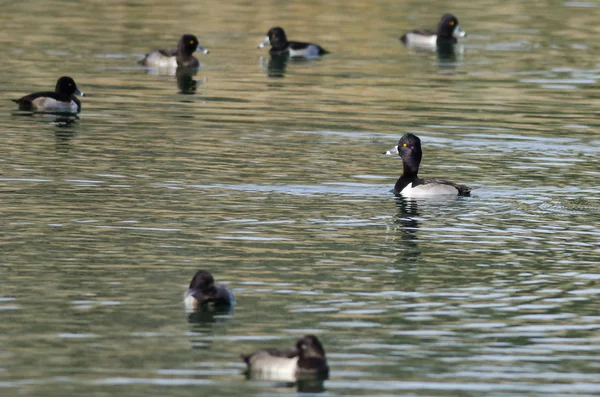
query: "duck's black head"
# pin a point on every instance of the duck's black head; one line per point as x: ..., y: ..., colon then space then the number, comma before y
x: 202, y: 281
x: 449, y: 29
x: 310, y: 347
x: 188, y: 43
x: 277, y: 38
x: 409, y: 149
x: 66, y: 85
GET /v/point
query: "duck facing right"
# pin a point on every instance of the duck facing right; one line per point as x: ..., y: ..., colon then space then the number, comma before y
x: 179, y: 57
x: 61, y: 100
x: 305, y: 360
x: 409, y: 184
x: 447, y: 32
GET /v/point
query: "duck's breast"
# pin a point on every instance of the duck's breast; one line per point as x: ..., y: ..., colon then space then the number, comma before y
x: 189, y: 301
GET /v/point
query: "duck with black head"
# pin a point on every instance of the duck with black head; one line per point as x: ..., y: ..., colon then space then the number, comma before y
x: 176, y: 57
x: 306, y: 359
x: 447, y: 32
x: 203, y: 291
x: 409, y: 184
x: 280, y: 45
x: 61, y: 100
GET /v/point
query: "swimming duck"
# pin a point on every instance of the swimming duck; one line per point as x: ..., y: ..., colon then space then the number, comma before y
x: 61, y: 100
x: 281, y: 46
x: 306, y: 359
x: 448, y: 31
x: 172, y: 58
x: 409, y: 184
x: 204, y: 291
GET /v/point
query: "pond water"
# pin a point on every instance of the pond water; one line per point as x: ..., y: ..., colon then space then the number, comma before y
x: 271, y: 177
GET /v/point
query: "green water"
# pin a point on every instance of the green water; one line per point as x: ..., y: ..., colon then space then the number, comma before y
x: 271, y: 177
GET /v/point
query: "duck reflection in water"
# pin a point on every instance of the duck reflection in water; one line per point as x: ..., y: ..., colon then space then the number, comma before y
x: 64, y: 134
x: 57, y: 119
x: 210, y: 314
x: 65, y: 126
x: 275, y: 66
x: 406, y: 226
x: 185, y: 80
x: 448, y: 54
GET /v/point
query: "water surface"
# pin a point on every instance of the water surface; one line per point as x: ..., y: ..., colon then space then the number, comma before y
x: 270, y: 175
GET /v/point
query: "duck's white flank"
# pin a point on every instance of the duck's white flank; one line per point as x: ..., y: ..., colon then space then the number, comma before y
x: 428, y: 190
x: 311, y: 51
x: 158, y: 60
x: 265, y: 366
x: 44, y: 104
x: 419, y: 40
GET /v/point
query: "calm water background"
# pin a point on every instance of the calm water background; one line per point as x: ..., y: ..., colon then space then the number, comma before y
x: 271, y: 176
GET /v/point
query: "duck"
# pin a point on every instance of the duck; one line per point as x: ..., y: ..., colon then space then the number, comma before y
x: 61, y: 100
x: 281, y: 46
x: 203, y: 291
x: 448, y: 31
x: 306, y: 359
x: 179, y: 57
x: 409, y: 184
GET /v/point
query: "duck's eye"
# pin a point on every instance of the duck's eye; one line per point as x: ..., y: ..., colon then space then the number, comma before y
x: 404, y: 145
x: 191, y: 41
x: 452, y: 23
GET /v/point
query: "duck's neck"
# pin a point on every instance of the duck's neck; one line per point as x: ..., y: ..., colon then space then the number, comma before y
x: 314, y: 364
x: 410, y: 171
x: 446, y: 39
x: 409, y: 175
x: 279, y: 45
x: 445, y: 35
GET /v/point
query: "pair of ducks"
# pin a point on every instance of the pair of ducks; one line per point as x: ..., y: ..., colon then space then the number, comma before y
x: 188, y: 43
x: 63, y: 99
x: 307, y: 358
x: 447, y: 32
x: 408, y: 148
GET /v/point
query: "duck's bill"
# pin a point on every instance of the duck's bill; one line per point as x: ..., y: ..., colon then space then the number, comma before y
x: 202, y: 49
x: 78, y: 93
x: 458, y: 32
x: 265, y: 42
x: 393, y: 150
